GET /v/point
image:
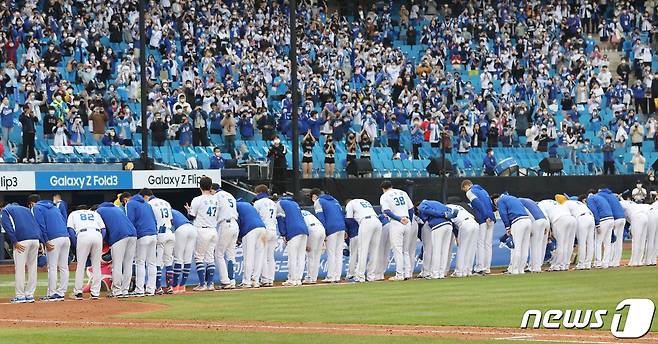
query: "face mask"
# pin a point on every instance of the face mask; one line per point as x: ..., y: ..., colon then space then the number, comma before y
x: 276, y: 141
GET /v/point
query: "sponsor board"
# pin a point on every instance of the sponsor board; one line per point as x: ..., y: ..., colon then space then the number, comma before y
x: 17, y: 181
x: 172, y: 179
x: 57, y: 180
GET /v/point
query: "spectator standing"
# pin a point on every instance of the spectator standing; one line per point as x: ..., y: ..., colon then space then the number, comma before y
x: 98, y: 123
x: 329, y: 157
x: 393, y: 134
x: 61, y: 134
x: 159, y: 129
x: 464, y: 141
x: 608, y: 150
x: 6, y: 119
x: 365, y: 143
x: 478, y: 136
x: 185, y: 132
x: 489, y: 163
x: 229, y: 129
x: 637, y: 135
x: 417, y: 134
x: 639, y: 194
x: 49, y: 123
x: 277, y: 156
x: 492, y: 137
x: 307, y: 155
x: 246, y: 124
x: 350, y: 147
x: 110, y: 138
x: 216, y: 160
x: 28, y: 121
x: 77, y: 132
x: 200, y: 131
x: 639, y: 162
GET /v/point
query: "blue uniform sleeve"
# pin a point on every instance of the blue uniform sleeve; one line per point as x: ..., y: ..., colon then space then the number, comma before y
x: 321, y: 217
x: 502, y: 210
x: 411, y: 214
x: 480, y: 211
x: 392, y: 216
x: 73, y: 237
x: 41, y: 222
x: 281, y: 223
x: 63, y: 209
x: 452, y: 213
x: 9, y: 227
x: 436, y: 212
x: 103, y: 232
x: 352, y: 227
x: 592, y: 206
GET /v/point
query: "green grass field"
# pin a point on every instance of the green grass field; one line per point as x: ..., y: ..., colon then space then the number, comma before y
x: 493, y: 301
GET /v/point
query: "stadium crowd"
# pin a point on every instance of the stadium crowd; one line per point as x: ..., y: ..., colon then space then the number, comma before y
x: 472, y: 74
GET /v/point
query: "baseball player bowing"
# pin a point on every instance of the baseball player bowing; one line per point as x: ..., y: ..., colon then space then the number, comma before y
x: 122, y: 237
x: 518, y: 224
x: 651, y: 250
x: 438, y: 216
x: 398, y: 207
x: 227, y: 215
x: 538, y: 234
x: 584, y: 229
x: 293, y: 228
x: 204, y: 212
x: 484, y: 215
x: 638, y: 216
x: 141, y: 216
x: 252, y: 234
x: 25, y: 235
x: 352, y: 242
x: 563, y: 227
x: 467, y: 229
x: 87, y: 231
x: 370, y: 231
x: 330, y: 213
x: 426, y: 240
x: 185, y: 234
x: 382, y: 258
x: 164, y: 252
x: 316, y: 236
x: 53, y: 228
x: 619, y: 224
x: 604, y: 224
x: 267, y: 211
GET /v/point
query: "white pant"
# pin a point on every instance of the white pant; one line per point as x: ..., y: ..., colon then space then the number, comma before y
x: 354, y: 256
x: 639, y: 235
x: 316, y: 236
x: 618, y: 245
x: 484, y: 242
x: 585, y: 235
x: 145, y: 259
x: 396, y: 233
x: 90, y: 245
x: 410, y: 240
x: 426, y: 238
x: 296, y: 255
x: 164, y: 252
x: 651, y: 250
x: 441, y: 238
x: 602, y: 247
x: 538, y: 237
x: 520, y: 231
x: 185, y: 240
x: 226, y: 241
x: 123, y: 253
x: 370, y: 231
x: 564, y: 229
x: 26, y: 260
x: 204, y: 248
x: 58, y: 261
x: 252, y: 255
x: 269, y: 264
x: 466, y: 250
x: 384, y: 252
x: 334, y: 251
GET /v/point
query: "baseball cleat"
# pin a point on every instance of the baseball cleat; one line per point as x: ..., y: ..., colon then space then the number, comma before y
x: 94, y: 297
x: 137, y: 294
x: 227, y: 286
x: 327, y: 280
x: 29, y: 299
x: 77, y: 296
x: 45, y: 298
x: 306, y: 281
x: 123, y: 296
x: 245, y: 286
x: 267, y: 284
x: 200, y: 288
x: 18, y: 300
x: 255, y: 285
x: 169, y: 290
x: 288, y: 284
x: 210, y: 287
x: 396, y: 278
x: 160, y: 291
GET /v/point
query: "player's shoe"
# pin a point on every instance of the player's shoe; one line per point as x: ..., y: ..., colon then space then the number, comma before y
x: 308, y: 281
x: 160, y: 291
x: 267, y: 284
x: 94, y: 297
x: 255, y: 285
x: 288, y: 284
x: 327, y: 280
x: 169, y: 290
x: 245, y: 286
x: 18, y: 300
x: 211, y: 287
x: 123, y: 296
x: 56, y: 297
x: 200, y: 288
x: 226, y: 287
x: 29, y: 299
x: 134, y: 294
x: 396, y: 278
x: 149, y: 294
x: 77, y: 296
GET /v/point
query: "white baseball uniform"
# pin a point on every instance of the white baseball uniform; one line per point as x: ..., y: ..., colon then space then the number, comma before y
x: 563, y: 226
x: 370, y: 231
x: 538, y: 241
x: 651, y: 250
x: 316, y: 236
x: 88, y: 226
x: 383, y: 254
x: 426, y: 239
x: 399, y: 203
x: 204, y: 209
x: 227, y: 214
x: 467, y: 235
x: 410, y: 244
x: 164, y: 252
x: 638, y: 216
x: 483, y: 249
x: 267, y: 210
x: 585, y: 232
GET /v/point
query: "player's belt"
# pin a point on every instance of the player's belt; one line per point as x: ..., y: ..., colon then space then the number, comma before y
x: 89, y: 229
x: 368, y: 217
x: 228, y: 220
x: 312, y: 224
x: 583, y: 214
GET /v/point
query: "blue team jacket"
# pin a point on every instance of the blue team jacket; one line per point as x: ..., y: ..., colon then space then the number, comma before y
x: 533, y: 208
x: 435, y: 213
x: 331, y: 216
x: 63, y: 208
x: 511, y: 210
x: 617, y: 210
x: 23, y: 226
x: 117, y: 224
x: 141, y: 215
x: 483, y: 208
x: 293, y: 223
x: 178, y: 219
x: 600, y: 208
x: 248, y: 218
x: 50, y: 220
x: 351, y: 228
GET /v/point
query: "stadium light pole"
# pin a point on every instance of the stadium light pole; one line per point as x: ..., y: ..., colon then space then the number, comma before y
x: 142, y: 78
x: 292, y: 56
